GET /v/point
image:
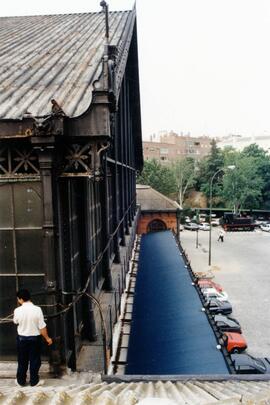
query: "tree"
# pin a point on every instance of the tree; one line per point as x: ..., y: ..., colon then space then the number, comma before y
x: 159, y: 177
x: 262, y: 162
x: 254, y: 151
x: 208, y: 167
x: 242, y: 187
x: 184, y: 172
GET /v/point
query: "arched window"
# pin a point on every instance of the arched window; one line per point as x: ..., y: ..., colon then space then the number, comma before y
x: 156, y: 225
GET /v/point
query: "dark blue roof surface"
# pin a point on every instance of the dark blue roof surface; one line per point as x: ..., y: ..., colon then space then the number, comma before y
x: 169, y: 332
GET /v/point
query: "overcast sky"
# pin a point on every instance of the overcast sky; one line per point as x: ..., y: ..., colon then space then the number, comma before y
x: 204, y: 64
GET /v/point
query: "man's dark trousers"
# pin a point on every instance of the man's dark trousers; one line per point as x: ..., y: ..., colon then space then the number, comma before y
x: 28, y: 348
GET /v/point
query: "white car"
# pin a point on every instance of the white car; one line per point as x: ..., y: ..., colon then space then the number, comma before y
x: 265, y: 227
x: 215, y: 222
x: 204, y: 226
x: 209, y: 293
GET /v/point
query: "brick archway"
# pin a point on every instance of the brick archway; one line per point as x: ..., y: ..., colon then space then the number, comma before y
x: 155, y: 221
x: 156, y: 225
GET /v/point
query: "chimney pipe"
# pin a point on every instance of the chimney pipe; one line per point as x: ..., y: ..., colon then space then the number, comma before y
x: 105, y: 8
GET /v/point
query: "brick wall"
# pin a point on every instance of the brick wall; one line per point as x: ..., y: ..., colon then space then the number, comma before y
x: 168, y: 218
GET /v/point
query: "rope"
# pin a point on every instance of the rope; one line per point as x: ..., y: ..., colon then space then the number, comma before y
x: 78, y: 294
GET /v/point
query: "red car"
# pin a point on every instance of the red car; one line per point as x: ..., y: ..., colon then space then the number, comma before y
x: 234, y: 342
x: 207, y: 283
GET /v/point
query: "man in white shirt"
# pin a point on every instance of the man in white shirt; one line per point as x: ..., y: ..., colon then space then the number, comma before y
x: 31, y: 327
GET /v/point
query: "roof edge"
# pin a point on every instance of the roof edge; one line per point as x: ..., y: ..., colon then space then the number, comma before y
x: 185, y: 377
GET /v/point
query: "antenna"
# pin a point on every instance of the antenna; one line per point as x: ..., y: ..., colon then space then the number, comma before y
x: 105, y: 7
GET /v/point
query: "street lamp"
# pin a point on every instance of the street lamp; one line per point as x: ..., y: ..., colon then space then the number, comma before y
x: 230, y: 167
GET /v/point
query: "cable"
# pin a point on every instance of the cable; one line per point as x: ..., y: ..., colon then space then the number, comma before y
x: 78, y: 294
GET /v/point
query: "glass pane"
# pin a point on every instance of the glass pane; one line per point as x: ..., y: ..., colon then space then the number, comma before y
x: 29, y: 251
x: 8, y: 333
x: 8, y: 299
x: 6, y: 252
x: 5, y: 206
x: 28, y: 205
x: 8, y: 303
x: 36, y: 286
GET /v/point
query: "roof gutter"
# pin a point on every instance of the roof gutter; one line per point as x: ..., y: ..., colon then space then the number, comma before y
x: 185, y: 377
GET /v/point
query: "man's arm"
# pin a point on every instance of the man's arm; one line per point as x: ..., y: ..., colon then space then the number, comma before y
x: 15, y: 317
x: 44, y: 333
x: 43, y: 329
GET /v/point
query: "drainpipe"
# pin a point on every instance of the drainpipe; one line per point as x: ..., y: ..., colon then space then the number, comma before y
x: 106, y: 258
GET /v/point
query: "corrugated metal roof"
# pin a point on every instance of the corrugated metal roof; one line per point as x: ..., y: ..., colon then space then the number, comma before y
x: 101, y: 393
x: 55, y: 57
x: 150, y: 199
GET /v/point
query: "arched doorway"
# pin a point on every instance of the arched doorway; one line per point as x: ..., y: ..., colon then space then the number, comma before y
x: 156, y: 225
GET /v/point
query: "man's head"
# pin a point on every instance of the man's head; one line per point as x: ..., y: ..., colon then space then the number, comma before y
x: 23, y: 295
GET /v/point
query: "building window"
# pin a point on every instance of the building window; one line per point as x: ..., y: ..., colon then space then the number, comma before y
x: 21, y: 221
x: 164, y: 151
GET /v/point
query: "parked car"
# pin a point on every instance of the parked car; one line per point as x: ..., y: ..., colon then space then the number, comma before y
x: 258, y: 222
x: 265, y: 227
x: 216, y: 306
x: 191, y: 226
x: 246, y: 364
x: 208, y: 283
x: 227, y: 324
x: 213, y: 293
x: 204, y: 226
x: 234, y: 342
x: 215, y: 222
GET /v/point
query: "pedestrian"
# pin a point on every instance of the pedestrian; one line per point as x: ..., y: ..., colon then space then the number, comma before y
x: 31, y: 327
x: 221, y: 236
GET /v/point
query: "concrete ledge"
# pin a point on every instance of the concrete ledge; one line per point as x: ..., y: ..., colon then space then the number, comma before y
x: 185, y: 378
x: 8, y: 369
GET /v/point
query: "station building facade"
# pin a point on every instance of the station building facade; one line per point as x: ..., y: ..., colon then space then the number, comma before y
x: 70, y: 147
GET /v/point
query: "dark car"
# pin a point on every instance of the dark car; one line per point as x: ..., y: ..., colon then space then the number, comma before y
x: 246, y: 364
x: 191, y: 226
x: 218, y: 307
x: 227, y: 324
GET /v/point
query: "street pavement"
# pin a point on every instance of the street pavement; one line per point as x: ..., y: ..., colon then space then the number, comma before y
x: 242, y: 266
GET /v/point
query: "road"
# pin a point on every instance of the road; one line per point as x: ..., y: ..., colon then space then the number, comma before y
x: 242, y: 266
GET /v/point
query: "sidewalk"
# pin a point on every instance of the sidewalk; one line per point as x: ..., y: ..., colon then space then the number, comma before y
x: 198, y: 256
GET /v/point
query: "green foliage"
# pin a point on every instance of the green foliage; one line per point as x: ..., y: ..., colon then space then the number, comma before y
x: 262, y: 164
x: 159, y: 177
x: 254, y: 151
x: 242, y: 187
x: 247, y: 186
x: 207, y: 168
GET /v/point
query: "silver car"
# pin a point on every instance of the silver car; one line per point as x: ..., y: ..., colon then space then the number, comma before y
x: 265, y: 227
x: 191, y: 226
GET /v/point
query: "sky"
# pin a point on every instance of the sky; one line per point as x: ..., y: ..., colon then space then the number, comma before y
x: 204, y: 64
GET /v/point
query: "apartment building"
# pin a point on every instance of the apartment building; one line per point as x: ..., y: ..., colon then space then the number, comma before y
x: 240, y: 142
x: 172, y: 147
